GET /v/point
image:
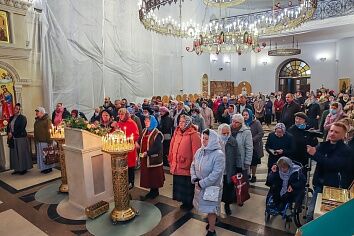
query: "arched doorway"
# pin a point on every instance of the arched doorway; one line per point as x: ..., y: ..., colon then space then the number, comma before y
x: 293, y: 75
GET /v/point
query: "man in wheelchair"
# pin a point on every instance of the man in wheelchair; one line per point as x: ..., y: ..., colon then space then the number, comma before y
x: 287, y: 184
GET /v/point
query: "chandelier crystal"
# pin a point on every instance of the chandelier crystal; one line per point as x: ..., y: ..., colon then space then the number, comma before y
x: 239, y: 33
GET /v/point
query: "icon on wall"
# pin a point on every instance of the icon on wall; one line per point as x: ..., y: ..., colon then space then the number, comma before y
x: 4, y: 27
x: 7, y: 97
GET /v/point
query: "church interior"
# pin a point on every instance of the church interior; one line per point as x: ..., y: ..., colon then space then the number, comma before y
x: 105, y: 106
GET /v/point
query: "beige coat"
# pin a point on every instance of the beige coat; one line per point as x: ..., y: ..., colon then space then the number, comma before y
x: 208, y: 116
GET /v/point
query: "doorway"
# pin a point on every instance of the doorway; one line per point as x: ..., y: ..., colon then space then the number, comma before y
x: 294, y: 75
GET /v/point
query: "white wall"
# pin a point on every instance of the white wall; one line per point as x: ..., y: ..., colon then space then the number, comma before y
x: 345, y: 49
x: 262, y: 77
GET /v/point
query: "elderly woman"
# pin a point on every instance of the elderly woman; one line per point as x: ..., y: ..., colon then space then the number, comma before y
x: 257, y: 136
x: 184, y: 144
x: 229, y: 148
x: 42, y: 125
x: 130, y: 128
x: 206, y: 172
x: 279, y: 143
x: 151, y: 175
x: 243, y: 136
x: 20, y: 154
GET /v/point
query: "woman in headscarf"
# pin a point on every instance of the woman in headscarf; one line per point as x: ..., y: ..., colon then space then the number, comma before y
x: 335, y: 114
x: 286, y: 182
x: 152, y: 174
x: 130, y: 128
x: 279, y: 143
x: 257, y: 136
x: 185, y: 142
x: 207, y: 170
x: 229, y: 147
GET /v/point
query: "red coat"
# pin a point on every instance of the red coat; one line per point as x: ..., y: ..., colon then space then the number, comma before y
x: 278, y: 105
x: 216, y: 105
x: 182, y: 149
x: 130, y: 128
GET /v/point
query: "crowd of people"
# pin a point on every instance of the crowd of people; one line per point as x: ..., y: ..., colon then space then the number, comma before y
x: 206, y: 142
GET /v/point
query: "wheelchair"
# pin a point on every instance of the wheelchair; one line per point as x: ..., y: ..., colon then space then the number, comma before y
x: 291, y: 211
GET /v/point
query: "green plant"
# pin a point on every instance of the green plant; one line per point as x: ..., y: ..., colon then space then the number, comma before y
x: 80, y: 123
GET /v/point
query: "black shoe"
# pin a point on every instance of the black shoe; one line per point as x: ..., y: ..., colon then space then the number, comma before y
x: 253, y: 179
x: 227, y: 209
x: 186, y: 207
x: 23, y: 172
x: 15, y: 172
x: 211, y: 233
x: 207, y: 227
x: 154, y: 194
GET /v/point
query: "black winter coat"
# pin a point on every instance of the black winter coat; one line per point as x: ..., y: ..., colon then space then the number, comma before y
x: 19, y: 129
x: 297, y: 181
x: 222, y: 119
x: 273, y: 142
x: 301, y: 139
x: 166, y: 125
x: 288, y: 113
x: 230, y: 158
x: 335, y: 165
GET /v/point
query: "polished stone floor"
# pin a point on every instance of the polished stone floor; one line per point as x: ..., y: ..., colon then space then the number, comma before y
x: 22, y: 214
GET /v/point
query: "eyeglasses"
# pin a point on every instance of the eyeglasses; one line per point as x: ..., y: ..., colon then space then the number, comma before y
x: 225, y: 134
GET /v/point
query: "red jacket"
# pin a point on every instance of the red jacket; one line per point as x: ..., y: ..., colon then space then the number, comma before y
x: 130, y: 128
x: 278, y: 105
x: 182, y: 149
x: 216, y: 105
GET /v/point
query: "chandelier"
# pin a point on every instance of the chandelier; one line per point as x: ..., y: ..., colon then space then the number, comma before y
x: 239, y: 33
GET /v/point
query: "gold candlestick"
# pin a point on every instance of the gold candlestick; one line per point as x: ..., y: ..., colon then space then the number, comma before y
x: 64, y: 187
x: 118, y: 147
x: 57, y: 135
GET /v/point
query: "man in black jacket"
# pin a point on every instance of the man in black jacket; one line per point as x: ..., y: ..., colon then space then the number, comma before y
x: 289, y: 110
x: 242, y: 104
x: 222, y: 107
x: 335, y: 164
x: 313, y: 111
x: 302, y: 138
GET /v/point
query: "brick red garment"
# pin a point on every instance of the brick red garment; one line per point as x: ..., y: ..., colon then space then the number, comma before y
x: 130, y: 128
x: 152, y: 177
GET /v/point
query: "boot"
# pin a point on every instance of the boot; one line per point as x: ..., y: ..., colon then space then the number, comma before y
x: 227, y: 209
x: 154, y: 193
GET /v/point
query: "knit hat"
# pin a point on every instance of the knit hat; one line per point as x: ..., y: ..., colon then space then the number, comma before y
x: 280, y: 126
x: 301, y: 115
x: 164, y: 109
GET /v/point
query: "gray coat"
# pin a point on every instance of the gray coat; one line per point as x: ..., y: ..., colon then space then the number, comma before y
x: 230, y: 158
x: 244, y: 146
x: 257, y: 135
x: 208, y: 166
x: 199, y: 121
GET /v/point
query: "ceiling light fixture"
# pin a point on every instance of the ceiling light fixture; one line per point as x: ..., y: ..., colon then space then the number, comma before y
x: 233, y: 34
x: 284, y: 51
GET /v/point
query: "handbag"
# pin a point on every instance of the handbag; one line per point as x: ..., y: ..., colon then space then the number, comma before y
x: 241, y: 187
x: 51, y: 155
x: 211, y: 193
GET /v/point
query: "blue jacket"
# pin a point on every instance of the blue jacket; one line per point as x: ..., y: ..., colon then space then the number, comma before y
x: 208, y: 168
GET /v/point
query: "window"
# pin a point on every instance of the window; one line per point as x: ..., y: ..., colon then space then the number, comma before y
x: 295, y: 69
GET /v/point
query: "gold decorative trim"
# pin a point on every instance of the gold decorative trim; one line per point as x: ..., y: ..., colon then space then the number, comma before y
x: 223, y: 3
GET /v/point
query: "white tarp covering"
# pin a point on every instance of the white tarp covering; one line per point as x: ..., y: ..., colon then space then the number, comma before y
x: 92, y: 49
